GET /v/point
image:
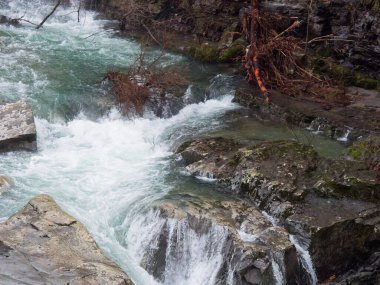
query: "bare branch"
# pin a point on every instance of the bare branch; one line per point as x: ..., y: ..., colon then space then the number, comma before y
x: 48, y: 16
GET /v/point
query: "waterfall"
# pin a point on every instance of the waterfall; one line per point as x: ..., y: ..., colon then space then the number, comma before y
x: 344, y: 138
x: 277, y: 271
x: 177, y: 251
x: 318, y: 131
x: 303, y: 255
x: 101, y: 168
x: 305, y: 258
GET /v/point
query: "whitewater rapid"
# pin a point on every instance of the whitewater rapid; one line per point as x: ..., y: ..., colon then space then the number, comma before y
x: 103, y: 169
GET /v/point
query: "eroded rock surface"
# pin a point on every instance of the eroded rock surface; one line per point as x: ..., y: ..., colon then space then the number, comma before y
x: 42, y: 244
x: 17, y: 128
x: 333, y: 206
x: 244, y: 241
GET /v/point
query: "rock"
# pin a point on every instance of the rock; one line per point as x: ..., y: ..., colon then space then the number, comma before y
x: 41, y: 244
x: 247, y: 241
x: 17, y: 128
x: 356, y: 23
x: 331, y: 205
x: 336, y: 122
x: 340, y: 234
x: 5, y: 183
x: 366, y: 274
x: 8, y: 21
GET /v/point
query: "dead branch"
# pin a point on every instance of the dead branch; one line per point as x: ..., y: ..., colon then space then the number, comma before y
x: 133, y: 89
x: 48, y: 16
x: 78, y: 11
x: 151, y: 35
x: 27, y: 21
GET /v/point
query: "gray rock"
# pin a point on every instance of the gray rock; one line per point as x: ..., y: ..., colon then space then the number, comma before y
x: 248, y: 241
x: 17, y: 128
x: 42, y: 244
x: 332, y: 205
x: 5, y: 183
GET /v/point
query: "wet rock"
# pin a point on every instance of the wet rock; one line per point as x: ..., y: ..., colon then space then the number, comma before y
x: 5, y: 183
x: 366, y: 274
x: 8, y: 21
x: 356, y: 23
x: 248, y: 243
x: 331, y: 205
x: 339, y: 234
x: 42, y: 244
x: 17, y: 128
x: 346, y: 124
x: 367, y: 150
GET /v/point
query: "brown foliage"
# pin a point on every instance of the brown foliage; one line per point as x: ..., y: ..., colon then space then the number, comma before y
x: 133, y: 89
x: 128, y: 91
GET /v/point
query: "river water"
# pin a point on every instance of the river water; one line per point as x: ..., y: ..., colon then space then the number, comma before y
x: 104, y: 169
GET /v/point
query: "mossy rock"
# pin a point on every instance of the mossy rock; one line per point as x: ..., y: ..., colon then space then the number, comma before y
x: 204, y: 53
x: 231, y: 53
x: 228, y: 34
x: 345, y: 74
x: 366, y: 82
x: 367, y: 150
x: 357, y: 151
x: 352, y: 188
x: 283, y: 149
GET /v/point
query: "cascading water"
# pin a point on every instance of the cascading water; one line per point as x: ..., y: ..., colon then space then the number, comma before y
x: 186, y: 256
x: 306, y: 261
x: 103, y: 169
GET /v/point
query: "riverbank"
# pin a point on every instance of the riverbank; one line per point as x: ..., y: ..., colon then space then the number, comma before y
x: 347, y: 58
x: 225, y: 211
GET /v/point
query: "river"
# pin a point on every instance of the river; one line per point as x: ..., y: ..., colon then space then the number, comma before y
x: 104, y: 169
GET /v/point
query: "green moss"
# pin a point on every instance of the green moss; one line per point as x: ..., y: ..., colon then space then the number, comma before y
x: 357, y: 151
x: 366, y: 82
x: 227, y: 33
x: 204, y: 53
x: 347, y: 75
x: 234, y: 51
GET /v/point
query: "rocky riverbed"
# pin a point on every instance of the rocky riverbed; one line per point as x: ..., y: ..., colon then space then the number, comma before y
x: 217, y: 211
x: 331, y: 206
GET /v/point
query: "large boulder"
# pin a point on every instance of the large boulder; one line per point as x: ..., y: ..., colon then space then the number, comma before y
x: 17, y: 128
x: 42, y: 244
x: 331, y: 206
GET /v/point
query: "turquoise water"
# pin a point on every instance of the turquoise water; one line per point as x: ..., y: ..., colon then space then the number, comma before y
x: 102, y: 168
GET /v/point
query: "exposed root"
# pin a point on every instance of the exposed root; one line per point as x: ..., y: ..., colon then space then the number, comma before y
x: 276, y: 58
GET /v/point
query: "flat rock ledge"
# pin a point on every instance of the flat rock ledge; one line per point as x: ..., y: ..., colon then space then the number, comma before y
x: 41, y: 244
x: 17, y: 128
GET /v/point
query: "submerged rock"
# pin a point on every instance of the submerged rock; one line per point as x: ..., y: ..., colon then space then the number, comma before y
x: 42, y: 244
x: 17, y: 128
x: 332, y: 206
